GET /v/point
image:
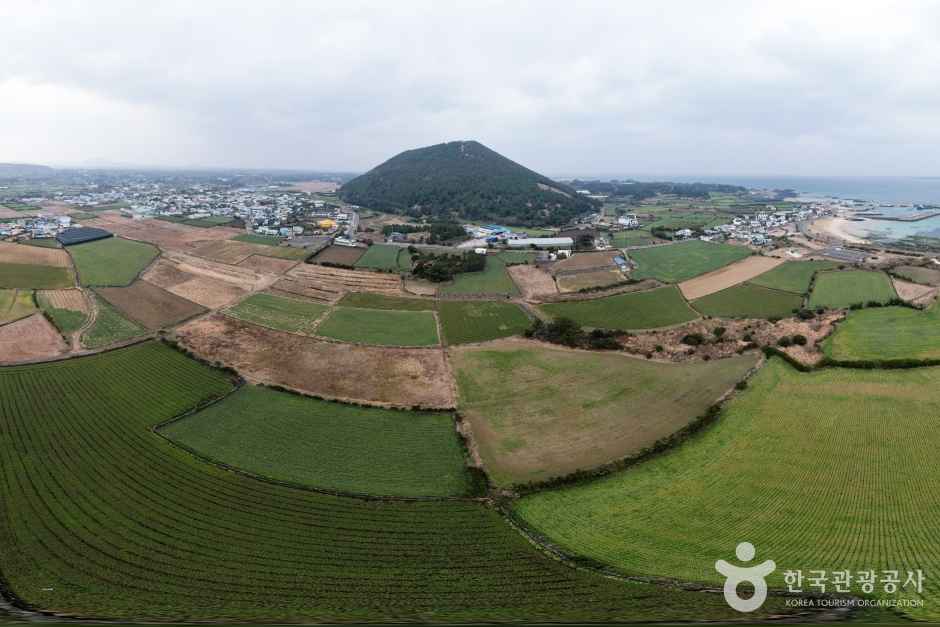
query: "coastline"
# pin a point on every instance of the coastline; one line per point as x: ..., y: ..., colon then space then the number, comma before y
x: 835, y: 227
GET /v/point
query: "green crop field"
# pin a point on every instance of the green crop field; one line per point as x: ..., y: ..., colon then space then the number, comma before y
x: 380, y: 326
x: 103, y: 518
x: 381, y: 257
x: 82, y: 215
x: 278, y: 312
x: 111, y: 262
x: 674, y: 263
x: 374, y: 300
x: 792, y: 276
x: 828, y: 470
x: 837, y: 290
x: 884, y: 333
x: 209, y: 222
x: 44, y: 242
x: 637, y: 237
x: 35, y: 276
x: 110, y: 327
x: 254, y: 238
x: 322, y: 444
x: 748, y: 301
x: 926, y: 275
x: 479, y: 321
x: 492, y: 280
x: 661, y: 307
x: 539, y: 411
x: 15, y: 304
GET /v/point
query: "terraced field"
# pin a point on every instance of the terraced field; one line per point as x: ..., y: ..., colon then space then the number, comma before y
x: 792, y: 276
x: 111, y: 262
x: 539, y: 411
x: 104, y: 518
x: 329, y: 445
x: 380, y: 326
x: 797, y: 465
x: 836, y: 290
x: 886, y: 333
x: 749, y: 301
x: 278, y: 312
x: 678, y: 262
x: 661, y: 307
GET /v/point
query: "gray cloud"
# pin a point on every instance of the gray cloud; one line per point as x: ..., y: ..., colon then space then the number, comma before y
x: 566, y: 88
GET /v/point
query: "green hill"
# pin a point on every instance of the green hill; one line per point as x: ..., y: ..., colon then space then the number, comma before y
x: 466, y: 180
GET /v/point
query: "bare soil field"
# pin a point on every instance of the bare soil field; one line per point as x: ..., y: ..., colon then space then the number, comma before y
x: 73, y: 299
x: 572, y: 282
x: 421, y: 287
x: 914, y: 292
x: 151, y: 306
x: 7, y: 214
x: 329, y: 284
x: 223, y: 251
x: 42, y: 341
x: 399, y: 377
x: 33, y: 255
x: 584, y: 261
x: 314, y: 186
x: 347, y: 255
x: 267, y: 265
x: 534, y: 283
x: 639, y: 286
x: 164, y: 235
x: 203, y: 282
x: 728, y: 276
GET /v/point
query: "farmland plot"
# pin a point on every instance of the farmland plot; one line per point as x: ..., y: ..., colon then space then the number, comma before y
x: 678, y: 262
x: 110, y: 327
x: 43, y: 342
x: 796, y: 466
x: 277, y: 312
x: 150, y: 306
x: 792, y: 276
x: 15, y: 304
x: 493, y: 280
x: 479, y: 321
x: 729, y: 276
x: 650, y: 309
x: 111, y: 262
x: 380, y: 326
x: 886, y: 333
x: 749, y: 301
x: 840, y: 290
x: 133, y: 527
x: 380, y: 257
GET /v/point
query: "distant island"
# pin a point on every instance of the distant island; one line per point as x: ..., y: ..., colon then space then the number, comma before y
x: 466, y: 180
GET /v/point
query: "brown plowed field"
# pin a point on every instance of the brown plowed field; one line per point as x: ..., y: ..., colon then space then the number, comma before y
x: 165, y: 235
x: 204, y: 282
x: 398, y: 377
x: 575, y: 281
x: 534, y: 283
x: 347, y: 255
x: 729, y: 276
x: 30, y: 338
x: 66, y: 299
x: 151, y: 306
x: 33, y: 255
x: 347, y: 280
x: 584, y: 261
x: 267, y: 265
x: 914, y: 292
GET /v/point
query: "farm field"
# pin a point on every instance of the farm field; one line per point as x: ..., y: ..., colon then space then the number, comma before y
x: 21, y: 254
x: 650, y: 309
x: 674, y: 263
x: 15, y: 304
x: 749, y: 301
x: 139, y: 528
x: 755, y: 474
x: 479, y: 321
x: 637, y: 237
x: 384, y: 327
x: 44, y: 340
x: 729, y: 276
x: 584, y: 280
x: 919, y: 274
x: 112, y: 262
x: 373, y: 300
x: 45, y: 242
x: 398, y: 377
x: 836, y: 290
x: 539, y: 412
x: 492, y: 280
x: 209, y: 222
x: 278, y: 312
x: 110, y: 327
x: 254, y: 238
x: 886, y: 333
x: 16, y: 275
x: 534, y: 283
x: 345, y: 255
x: 792, y: 276
x: 328, y: 445
x: 150, y: 306
x: 202, y: 281
x: 380, y: 257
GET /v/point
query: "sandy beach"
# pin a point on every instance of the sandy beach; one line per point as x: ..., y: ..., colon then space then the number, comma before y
x: 836, y: 227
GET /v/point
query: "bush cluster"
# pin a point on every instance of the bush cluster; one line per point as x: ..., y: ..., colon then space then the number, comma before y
x: 567, y: 332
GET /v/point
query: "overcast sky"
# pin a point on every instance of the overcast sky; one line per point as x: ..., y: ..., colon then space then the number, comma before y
x: 567, y: 88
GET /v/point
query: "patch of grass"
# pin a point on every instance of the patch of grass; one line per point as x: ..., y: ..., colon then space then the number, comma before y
x: 330, y: 445
x: 636, y: 237
x: 111, y: 262
x: 380, y: 257
x: 82, y: 215
x: 278, y: 312
x: 209, y: 222
x: 660, y: 307
x: 479, y: 321
x: 674, y: 263
x: 919, y: 274
x: 839, y: 290
x: 493, y: 280
x: 374, y: 300
x: 792, y: 276
x: 110, y: 327
x: 43, y: 242
x: 748, y: 301
x: 33, y: 276
x: 254, y: 238
x: 540, y: 412
x: 380, y: 326
x: 886, y: 333
x: 15, y: 304
x: 816, y: 470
